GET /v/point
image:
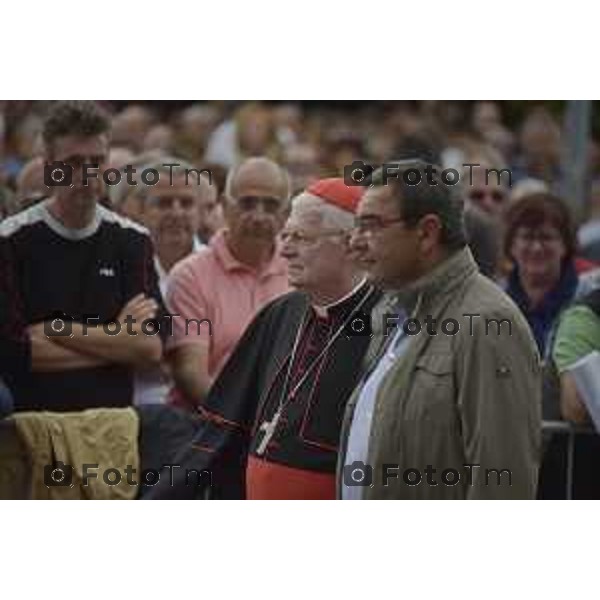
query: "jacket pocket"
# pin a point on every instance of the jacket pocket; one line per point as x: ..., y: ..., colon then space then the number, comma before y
x: 432, y: 388
x: 436, y: 364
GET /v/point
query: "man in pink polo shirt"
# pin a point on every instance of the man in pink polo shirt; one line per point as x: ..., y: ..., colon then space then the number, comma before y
x: 215, y: 293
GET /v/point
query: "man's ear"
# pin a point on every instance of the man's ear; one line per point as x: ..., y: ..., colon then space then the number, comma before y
x: 430, y: 227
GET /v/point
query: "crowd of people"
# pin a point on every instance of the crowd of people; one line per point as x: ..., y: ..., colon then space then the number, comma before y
x: 254, y: 259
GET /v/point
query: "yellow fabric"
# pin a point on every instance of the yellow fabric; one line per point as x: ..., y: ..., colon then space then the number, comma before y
x: 104, y: 437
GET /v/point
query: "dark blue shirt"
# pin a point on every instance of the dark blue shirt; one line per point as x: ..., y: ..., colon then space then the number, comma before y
x: 542, y: 318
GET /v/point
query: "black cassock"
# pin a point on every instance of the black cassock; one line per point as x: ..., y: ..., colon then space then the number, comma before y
x: 256, y: 379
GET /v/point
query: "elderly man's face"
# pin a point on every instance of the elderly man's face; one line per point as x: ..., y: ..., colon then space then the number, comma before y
x: 258, y: 206
x: 316, y: 255
x: 170, y: 212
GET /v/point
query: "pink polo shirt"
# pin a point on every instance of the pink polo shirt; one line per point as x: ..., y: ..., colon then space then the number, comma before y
x: 212, y: 284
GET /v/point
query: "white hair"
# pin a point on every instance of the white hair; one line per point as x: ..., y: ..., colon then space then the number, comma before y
x: 233, y: 171
x: 332, y: 217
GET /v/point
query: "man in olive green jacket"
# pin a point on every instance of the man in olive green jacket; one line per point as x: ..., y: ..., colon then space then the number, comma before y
x: 454, y: 411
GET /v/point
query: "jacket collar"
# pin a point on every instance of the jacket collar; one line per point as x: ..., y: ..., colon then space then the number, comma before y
x: 438, y: 283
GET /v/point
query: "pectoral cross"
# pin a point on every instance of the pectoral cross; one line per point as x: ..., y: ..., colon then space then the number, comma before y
x: 268, y: 430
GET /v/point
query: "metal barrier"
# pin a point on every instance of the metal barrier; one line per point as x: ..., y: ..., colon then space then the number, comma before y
x: 570, y: 430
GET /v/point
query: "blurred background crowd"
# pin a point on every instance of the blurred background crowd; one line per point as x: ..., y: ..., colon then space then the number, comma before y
x: 312, y: 139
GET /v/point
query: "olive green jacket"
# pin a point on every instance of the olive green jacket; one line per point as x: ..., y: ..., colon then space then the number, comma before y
x: 473, y: 398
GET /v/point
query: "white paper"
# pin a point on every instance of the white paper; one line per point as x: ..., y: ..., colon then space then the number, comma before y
x: 586, y: 374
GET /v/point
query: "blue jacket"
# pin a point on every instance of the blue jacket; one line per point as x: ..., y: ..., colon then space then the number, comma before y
x: 542, y: 318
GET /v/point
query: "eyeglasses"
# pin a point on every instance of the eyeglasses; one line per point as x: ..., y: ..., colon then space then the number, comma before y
x: 372, y: 224
x: 250, y: 203
x: 303, y: 239
x: 480, y: 195
x: 167, y: 202
x: 545, y: 238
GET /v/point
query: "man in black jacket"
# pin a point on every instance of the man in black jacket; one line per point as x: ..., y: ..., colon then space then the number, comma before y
x: 68, y: 255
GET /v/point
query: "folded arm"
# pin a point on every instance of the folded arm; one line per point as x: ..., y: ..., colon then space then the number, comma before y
x: 48, y: 355
x: 131, y: 346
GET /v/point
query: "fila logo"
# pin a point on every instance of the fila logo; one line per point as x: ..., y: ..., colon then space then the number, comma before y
x: 107, y: 272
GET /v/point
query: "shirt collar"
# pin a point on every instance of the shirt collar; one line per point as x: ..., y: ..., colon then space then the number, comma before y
x: 343, y: 305
x: 323, y: 311
x: 65, y: 232
x: 218, y: 244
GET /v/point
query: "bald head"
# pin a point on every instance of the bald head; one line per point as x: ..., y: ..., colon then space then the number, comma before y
x: 257, y: 177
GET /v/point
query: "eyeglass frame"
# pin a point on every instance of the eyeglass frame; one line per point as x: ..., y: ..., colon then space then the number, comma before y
x: 308, y: 241
x: 377, y: 225
x: 529, y: 237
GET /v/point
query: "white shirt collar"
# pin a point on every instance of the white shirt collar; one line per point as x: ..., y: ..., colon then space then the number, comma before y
x: 323, y: 309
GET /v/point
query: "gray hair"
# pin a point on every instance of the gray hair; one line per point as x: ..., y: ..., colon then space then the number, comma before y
x: 332, y: 217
